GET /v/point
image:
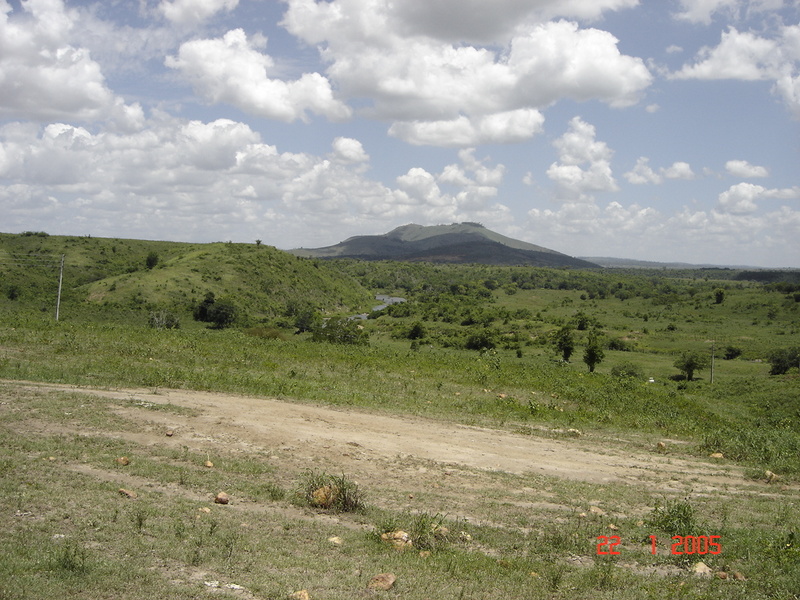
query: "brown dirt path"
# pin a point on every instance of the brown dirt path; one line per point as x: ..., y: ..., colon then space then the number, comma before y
x: 365, y: 442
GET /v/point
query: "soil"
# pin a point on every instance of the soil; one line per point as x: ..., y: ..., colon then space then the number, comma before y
x: 373, y: 446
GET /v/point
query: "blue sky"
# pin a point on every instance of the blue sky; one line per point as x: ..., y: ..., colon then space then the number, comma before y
x: 659, y: 130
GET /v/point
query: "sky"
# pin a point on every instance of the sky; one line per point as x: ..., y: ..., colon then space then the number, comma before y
x: 662, y: 130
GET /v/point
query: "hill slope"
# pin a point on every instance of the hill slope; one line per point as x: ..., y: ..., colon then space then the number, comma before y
x: 456, y: 243
x: 114, y: 273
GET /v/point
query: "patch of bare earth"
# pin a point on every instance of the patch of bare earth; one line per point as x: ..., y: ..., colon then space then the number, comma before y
x: 364, y: 445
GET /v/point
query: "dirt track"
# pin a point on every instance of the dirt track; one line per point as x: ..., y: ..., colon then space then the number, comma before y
x: 365, y: 443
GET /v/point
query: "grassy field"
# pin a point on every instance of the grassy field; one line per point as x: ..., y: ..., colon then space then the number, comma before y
x: 68, y: 531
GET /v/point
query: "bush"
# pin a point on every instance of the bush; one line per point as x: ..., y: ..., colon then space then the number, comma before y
x: 483, y: 340
x: 341, y: 331
x: 163, y: 319
x: 330, y: 492
x: 627, y: 370
x: 675, y: 517
x: 783, y: 359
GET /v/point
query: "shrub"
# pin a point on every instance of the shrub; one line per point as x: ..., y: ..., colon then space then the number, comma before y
x: 675, y: 517
x: 152, y: 260
x: 619, y: 345
x: 330, y: 492
x: 732, y: 352
x: 163, y: 319
x: 483, y: 340
x: 341, y: 330
x: 627, y: 370
x: 783, y: 359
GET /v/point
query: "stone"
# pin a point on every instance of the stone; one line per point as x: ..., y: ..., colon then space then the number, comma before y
x: 128, y: 493
x: 170, y: 433
x: 325, y: 497
x: 384, y: 581
x: 222, y: 498
x: 717, y: 455
x: 123, y: 460
x: 596, y: 510
x: 208, y: 464
x: 300, y: 595
x: 336, y: 540
x: 702, y: 569
x: 399, y: 539
x: 721, y: 575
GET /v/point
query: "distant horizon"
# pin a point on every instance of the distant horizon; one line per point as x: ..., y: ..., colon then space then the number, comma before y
x: 656, y: 263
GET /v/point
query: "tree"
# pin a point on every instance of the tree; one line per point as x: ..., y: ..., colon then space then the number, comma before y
x: 690, y: 361
x: 222, y: 314
x: 719, y: 296
x: 783, y: 359
x: 564, y: 342
x: 151, y: 260
x: 593, y: 353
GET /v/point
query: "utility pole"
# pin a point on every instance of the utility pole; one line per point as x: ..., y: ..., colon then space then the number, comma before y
x: 60, y: 280
x: 712, y: 361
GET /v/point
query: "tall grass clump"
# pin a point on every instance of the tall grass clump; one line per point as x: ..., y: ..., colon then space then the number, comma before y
x: 336, y: 493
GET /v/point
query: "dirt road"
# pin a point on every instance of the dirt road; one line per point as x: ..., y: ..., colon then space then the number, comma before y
x: 364, y: 442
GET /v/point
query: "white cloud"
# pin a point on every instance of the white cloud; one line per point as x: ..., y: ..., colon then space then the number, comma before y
x: 742, y: 198
x: 750, y: 57
x: 578, y: 148
x: 193, y: 12
x: 349, y: 151
x: 218, y: 180
x: 678, y: 170
x: 480, y: 21
x: 231, y: 69
x: 742, y: 168
x: 498, y: 128
x: 642, y: 173
x: 42, y: 75
x: 457, y: 94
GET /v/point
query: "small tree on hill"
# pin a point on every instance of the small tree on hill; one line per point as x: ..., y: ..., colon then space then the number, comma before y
x: 691, y: 361
x: 593, y: 354
x: 783, y: 359
x: 152, y: 260
x: 564, y: 342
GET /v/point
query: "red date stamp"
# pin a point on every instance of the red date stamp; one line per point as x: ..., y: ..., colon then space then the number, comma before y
x: 682, y: 544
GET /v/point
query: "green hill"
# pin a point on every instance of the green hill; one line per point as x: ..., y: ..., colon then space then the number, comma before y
x: 123, y: 275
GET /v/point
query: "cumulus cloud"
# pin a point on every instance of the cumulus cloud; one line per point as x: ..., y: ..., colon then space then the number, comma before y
x: 678, y: 170
x: 216, y: 180
x: 642, y: 173
x: 482, y: 22
x: 460, y: 94
x: 498, y: 128
x: 192, y: 12
x: 750, y: 57
x: 742, y: 168
x: 742, y: 198
x: 43, y: 76
x: 349, y: 151
x: 584, y: 165
x: 231, y: 69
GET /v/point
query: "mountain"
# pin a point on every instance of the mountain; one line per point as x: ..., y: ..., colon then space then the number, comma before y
x: 456, y: 243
